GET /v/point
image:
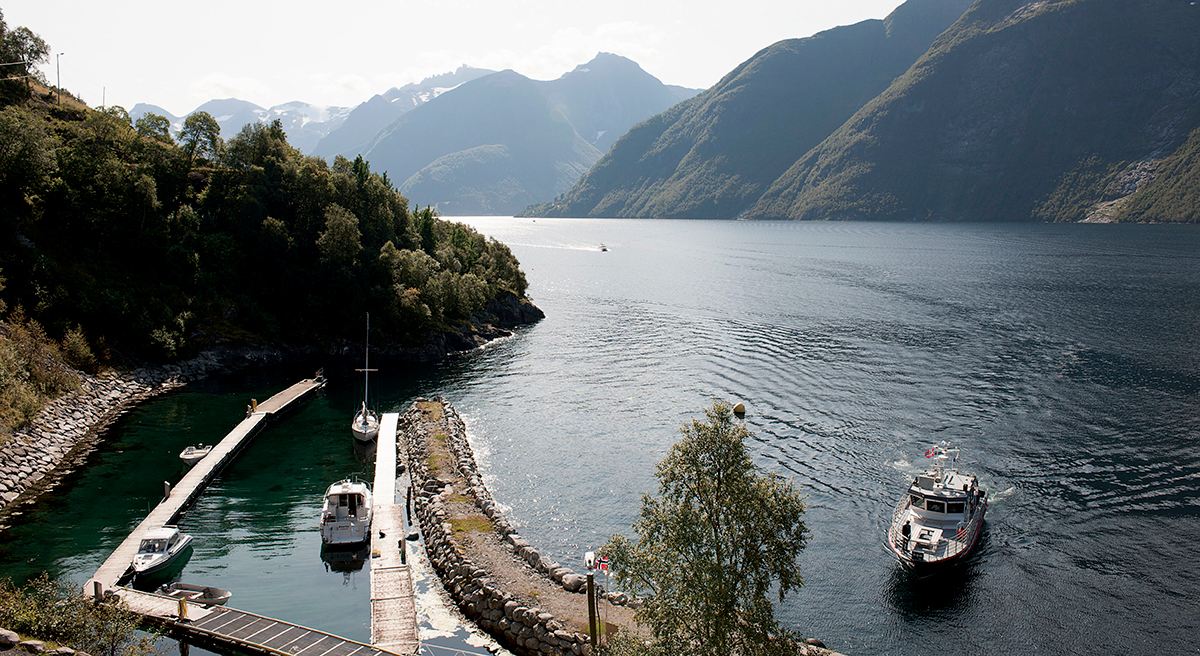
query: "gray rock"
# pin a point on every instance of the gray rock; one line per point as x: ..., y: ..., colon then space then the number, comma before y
x: 574, y: 582
x: 32, y: 646
x: 815, y: 643
x: 8, y: 638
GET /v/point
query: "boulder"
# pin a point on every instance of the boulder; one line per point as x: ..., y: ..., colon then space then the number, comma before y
x: 574, y: 582
x: 8, y: 638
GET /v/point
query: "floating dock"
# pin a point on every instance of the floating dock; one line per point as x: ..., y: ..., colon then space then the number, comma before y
x: 117, y: 568
x: 393, y: 609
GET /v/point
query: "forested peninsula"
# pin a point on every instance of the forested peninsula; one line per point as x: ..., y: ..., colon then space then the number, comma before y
x: 138, y: 245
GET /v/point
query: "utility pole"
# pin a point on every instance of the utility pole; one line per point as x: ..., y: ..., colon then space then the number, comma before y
x: 58, y: 72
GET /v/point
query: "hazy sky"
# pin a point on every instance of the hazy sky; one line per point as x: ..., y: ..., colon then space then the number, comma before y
x: 180, y: 54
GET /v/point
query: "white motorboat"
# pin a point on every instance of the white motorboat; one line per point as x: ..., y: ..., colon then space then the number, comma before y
x: 197, y: 594
x: 194, y: 454
x: 366, y: 423
x: 940, y: 518
x: 346, y: 515
x: 160, y: 548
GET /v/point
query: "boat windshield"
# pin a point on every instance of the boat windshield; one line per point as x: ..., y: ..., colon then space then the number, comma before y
x: 153, y: 546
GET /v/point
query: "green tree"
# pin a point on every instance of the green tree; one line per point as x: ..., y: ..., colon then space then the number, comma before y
x: 340, y: 243
x: 21, y: 45
x: 153, y: 125
x: 711, y: 546
x: 200, y: 136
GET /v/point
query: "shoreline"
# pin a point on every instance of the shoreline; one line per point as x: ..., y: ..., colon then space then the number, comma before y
x: 35, y: 458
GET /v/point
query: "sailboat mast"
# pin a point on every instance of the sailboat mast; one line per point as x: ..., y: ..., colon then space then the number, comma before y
x: 367, y: 363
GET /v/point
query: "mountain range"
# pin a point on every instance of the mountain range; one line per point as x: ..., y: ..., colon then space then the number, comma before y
x: 1009, y: 110
x: 473, y: 141
x: 502, y: 141
x: 1045, y: 111
x: 712, y: 156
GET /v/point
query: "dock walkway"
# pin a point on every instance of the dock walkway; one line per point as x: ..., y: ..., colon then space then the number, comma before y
x: 229, y: 627
x: 114, y: 570
x: 393, y: 609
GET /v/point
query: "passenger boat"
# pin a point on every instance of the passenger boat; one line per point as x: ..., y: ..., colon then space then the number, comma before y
x: 197, y: 594
x: 346, y: 515
x: 365, y: 424
x: 194, y: 454
x: 939, y: 520
x: 159, y: 549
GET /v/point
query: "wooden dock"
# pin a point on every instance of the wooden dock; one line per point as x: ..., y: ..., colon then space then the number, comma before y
x: 117, y: 568
x: 231, y: 628
x: 393, y: 608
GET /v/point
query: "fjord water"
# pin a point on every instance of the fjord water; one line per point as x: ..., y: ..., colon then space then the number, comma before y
x: 1063, y: 359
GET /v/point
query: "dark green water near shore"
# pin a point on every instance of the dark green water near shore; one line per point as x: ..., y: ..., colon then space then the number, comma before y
x: 1064, y: 360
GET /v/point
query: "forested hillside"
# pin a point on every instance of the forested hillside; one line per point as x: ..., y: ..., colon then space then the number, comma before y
x: 1044, y: 111
x: 154, y: 247
x: 712, y: 156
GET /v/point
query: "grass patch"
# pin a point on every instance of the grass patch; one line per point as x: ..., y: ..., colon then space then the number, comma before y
x: 471, y: 524
x: 431, y: 408
x: 433, y: 463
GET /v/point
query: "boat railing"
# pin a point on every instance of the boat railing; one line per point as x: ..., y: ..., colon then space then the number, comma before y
x: 952, y: 542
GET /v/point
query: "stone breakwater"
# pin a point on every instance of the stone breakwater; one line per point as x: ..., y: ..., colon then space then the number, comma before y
x: 449, y: 497
x: 36, y: 457
x: 520, y: 627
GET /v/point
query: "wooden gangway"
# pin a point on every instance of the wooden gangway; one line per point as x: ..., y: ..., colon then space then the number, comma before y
x: 238, y: 629
x: 117, y: 568
x: 393, y: 609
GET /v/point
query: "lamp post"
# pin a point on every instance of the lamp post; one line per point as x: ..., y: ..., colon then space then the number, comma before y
x: 58, y: 73
x: 590, y: 559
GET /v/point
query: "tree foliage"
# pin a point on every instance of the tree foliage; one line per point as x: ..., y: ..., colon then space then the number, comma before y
x: 150, y: 245
x: 58, y: 610
x: 715, y: 541
x: 20, y: 50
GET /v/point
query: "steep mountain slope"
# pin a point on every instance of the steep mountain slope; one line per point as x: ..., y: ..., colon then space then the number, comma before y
x: 366, y: 120
x: 501, y: 119
x: 608, y: 95
x: 714, y: 155
x: 1022, y: 111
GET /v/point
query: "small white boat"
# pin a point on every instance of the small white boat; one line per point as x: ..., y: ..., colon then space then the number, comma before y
x: 346, y: 515
x: 366, y: 423
x: 940, y: 518
x: 194, y: 454
x: 197, y: 594
x: 160, y: 548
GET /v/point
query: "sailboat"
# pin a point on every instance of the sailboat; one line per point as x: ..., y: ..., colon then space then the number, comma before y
x: 366, y: 423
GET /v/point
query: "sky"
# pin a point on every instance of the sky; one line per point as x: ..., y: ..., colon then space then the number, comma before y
x: 178, y: 55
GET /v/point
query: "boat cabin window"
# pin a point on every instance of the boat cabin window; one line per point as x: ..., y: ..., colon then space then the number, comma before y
x: 935, y: 506
x: 955, y: 508
x: 153, y: 546
x: 917, y: 500
x: 342, y: 500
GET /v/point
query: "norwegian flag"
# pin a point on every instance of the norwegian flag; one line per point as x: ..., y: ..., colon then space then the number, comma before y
x: 602, y: 563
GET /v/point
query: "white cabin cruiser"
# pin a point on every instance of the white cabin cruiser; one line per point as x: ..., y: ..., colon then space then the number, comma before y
x: 940, y: 519
x: 158, y: 549
x: 346, y: 515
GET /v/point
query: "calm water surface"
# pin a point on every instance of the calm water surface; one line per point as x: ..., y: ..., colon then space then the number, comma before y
x: 1064, y: 360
